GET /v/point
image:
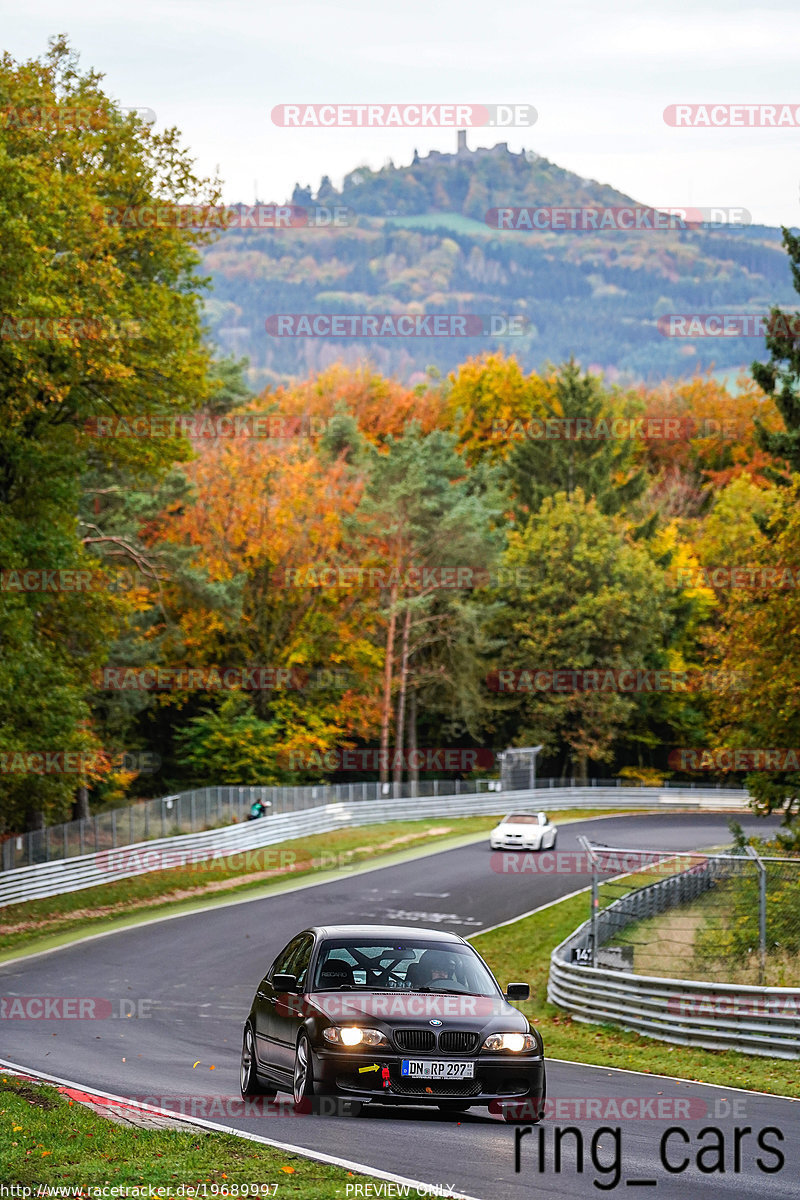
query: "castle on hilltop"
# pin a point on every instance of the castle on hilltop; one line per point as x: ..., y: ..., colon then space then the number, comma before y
x: 462, y: 150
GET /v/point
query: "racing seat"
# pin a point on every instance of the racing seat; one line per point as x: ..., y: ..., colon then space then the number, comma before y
x: 335, y: 973
x: 417, y: 975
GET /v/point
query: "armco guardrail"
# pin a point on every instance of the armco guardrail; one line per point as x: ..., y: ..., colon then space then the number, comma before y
x: 195, y: 811
x: 89, y: 870
x: 215, y: 807
x: 718, y: 1016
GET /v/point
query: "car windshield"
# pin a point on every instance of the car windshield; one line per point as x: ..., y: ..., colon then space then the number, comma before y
x: 414, y: 965
x: 522, y: 819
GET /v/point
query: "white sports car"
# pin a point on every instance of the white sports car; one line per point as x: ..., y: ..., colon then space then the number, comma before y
x: 524, y: 831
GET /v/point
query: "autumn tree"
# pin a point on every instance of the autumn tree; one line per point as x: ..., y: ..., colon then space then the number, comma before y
x: 581, y: 593
x: 100, y: 319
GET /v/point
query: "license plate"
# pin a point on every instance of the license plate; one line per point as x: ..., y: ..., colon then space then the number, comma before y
x: 431, y: 1068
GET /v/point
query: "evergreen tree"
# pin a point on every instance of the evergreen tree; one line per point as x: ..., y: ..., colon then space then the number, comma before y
x: 559, y: 457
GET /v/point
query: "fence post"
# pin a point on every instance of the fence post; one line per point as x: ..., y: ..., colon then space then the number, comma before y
x: 595, y: 900
x: 762, y: 914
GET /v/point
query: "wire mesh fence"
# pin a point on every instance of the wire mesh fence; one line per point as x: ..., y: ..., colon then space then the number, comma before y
x: 725, y: 918
x: 214, y: 807
x: 197, y: 810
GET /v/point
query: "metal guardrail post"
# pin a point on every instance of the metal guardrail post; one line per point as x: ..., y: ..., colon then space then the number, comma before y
x: 595, y: 898
x: 762, y: 914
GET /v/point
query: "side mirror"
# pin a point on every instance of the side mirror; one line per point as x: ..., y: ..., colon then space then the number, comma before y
x: 518, y: 991
x: 282, y: 982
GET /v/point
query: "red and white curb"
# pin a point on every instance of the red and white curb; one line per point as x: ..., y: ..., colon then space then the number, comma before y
x: 95, y: 1097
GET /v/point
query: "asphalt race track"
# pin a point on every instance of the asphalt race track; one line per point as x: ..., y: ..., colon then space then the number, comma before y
x: 189, y: 981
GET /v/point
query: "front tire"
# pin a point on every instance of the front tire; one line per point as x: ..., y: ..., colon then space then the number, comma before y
x: 249, y: 1082
x: 303, y: 1080
x: 523, y: 1113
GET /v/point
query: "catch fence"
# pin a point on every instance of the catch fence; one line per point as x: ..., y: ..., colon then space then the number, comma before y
x: 217, y: 807
x: 701, y: 948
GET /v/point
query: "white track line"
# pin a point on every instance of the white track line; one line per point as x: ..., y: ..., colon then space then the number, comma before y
x: 314, y: 1155
x: 286, y: 889
x: 568, y: 1062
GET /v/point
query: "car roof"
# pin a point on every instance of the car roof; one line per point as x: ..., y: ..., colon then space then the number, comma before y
x: 387, y: 931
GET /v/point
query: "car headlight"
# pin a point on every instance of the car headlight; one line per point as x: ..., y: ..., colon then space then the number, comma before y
x: 516, y: 1042
x: 353, y: 1035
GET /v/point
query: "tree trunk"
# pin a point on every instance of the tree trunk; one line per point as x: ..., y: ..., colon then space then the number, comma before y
x: 413, y: 771
x: 81, y: 810
x: 34, y: 820
x: 401, y: 706
x: 386, y: 705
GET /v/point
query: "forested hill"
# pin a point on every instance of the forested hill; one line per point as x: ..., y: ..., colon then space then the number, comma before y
x: 469, y: 183
x: 416, y: 240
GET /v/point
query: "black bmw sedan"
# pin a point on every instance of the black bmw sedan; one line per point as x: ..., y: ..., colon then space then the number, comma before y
x: 392, y: 1015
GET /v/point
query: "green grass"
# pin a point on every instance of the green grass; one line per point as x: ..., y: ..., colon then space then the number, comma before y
x: 45, y: 1138
x: 455, y: 222
x: 39, y: 924
x: 521, y: 951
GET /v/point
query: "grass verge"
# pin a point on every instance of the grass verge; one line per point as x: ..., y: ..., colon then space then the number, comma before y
x: 522, y: 951
x: 38, y: 924
x: 45, y: 1138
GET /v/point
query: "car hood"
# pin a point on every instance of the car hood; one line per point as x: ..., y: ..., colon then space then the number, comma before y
x: 513, y: 827
x: 412, y: 1009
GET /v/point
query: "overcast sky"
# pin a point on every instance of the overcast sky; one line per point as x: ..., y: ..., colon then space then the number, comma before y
x: 599, y: 75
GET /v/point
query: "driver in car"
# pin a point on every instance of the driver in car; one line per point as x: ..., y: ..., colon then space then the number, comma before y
x: 433, y: 965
